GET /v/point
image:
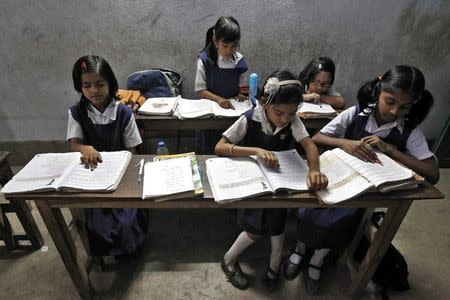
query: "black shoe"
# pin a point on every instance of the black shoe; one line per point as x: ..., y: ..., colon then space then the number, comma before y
x: 312, y: 285
x: 236, y: 277
x: 271, y: 282
x: 291, y: 270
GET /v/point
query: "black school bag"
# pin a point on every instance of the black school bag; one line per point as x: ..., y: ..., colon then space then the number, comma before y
x: 158, y: 82
x: 392, y: 272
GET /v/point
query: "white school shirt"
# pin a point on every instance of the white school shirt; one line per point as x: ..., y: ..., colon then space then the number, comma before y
x: 229, y: 63
x: 131, y: 136
x: 237, y: 131
x: 416, y: 145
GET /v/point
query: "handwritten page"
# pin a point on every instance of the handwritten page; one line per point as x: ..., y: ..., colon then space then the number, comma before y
x: 235, y: 178
x: 291, y: 174
x: 196, y: 178
x: 106, y: 176
x: 167, y: 177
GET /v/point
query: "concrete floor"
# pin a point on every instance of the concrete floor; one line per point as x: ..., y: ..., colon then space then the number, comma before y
x: 184, y: 246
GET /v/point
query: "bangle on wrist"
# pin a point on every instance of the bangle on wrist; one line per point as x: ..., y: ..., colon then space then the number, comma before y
x: 231, y: 149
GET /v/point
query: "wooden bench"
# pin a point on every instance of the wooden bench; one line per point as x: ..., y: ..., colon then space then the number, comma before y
x: 22, y: 210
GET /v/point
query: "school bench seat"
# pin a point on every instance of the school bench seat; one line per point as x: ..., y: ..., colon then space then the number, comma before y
x: 22, y: 209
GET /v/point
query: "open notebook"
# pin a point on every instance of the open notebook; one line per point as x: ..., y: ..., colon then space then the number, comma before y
x: 234, y: 178
x: 168, y: 179
x: 64, y: 172
x: 349, y: 176
x: 160, y: 106
x: 203, y: 108
x: 316, y: 111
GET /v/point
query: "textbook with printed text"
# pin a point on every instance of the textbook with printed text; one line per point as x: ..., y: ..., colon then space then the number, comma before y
x: 234, y: 178
x: 349, y: 176
x: 65, y: 172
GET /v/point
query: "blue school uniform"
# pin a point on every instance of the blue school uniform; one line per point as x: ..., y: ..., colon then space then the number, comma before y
x: 333, y: 227
x: 111, y: 231
x: 223, y: 82
x: 262, y: 221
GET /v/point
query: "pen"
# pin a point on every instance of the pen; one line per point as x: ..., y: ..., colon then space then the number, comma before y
x: 141, y: 170
x: 378, y: 161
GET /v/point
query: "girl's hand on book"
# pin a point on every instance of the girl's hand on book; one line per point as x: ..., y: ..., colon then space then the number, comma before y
x: 375, y: 141
x: 225, y: 103
x: 268, y: 157
x: 90, y: 157
x: 361, y: 150
x: 316, y: 180
x: 241, y: 97
x: 311, y: 97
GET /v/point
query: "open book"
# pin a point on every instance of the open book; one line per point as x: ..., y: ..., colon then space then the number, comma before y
x: 349, y: 176
x: 234, y: 178
x: 168, y: 179
x: 198, y: 186
x: 316, y: 111
x: 160, y: 106
x: 65, y: 172
x: 204, y: 108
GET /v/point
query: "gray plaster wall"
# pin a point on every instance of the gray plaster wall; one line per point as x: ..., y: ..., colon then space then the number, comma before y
x: 40, y: 41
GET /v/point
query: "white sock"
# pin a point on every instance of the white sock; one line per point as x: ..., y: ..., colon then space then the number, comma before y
x: 317, y: 260
x: 276, y: 249
x: 240, y: 244
x: 300, y: 248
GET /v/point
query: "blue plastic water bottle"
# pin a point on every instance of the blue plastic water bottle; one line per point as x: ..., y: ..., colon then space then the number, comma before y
x: 162, y: 149
x: 252, y: 87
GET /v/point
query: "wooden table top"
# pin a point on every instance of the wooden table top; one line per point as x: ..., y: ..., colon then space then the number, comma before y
x: 129, y: 194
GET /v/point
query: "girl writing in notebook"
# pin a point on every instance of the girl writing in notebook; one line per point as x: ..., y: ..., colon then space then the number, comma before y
x: 318, y: 79
x: 390, y: 109
x: 220, y: 67
x: 98, y: 122
x: 271, y: 126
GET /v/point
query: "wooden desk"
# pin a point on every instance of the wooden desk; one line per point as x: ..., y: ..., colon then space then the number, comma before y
x: 129, y: 193
x: 23, y: 212
x: 168, y: 123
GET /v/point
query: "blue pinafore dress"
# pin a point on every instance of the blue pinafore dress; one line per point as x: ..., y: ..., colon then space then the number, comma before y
x: 262, y: 221
x: 111, y: 231
x: 322, y: 228
x: 224, y: 83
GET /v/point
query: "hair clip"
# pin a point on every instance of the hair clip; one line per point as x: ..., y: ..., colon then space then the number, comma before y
x: 320, y: 66
x: 273, y: 85
x: 83, y: 66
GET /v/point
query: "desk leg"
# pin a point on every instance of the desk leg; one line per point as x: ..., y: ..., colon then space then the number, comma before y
x: 347, y: 256
x: 60, y: 234
x: 22, y: 210
x: 384, y: 236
